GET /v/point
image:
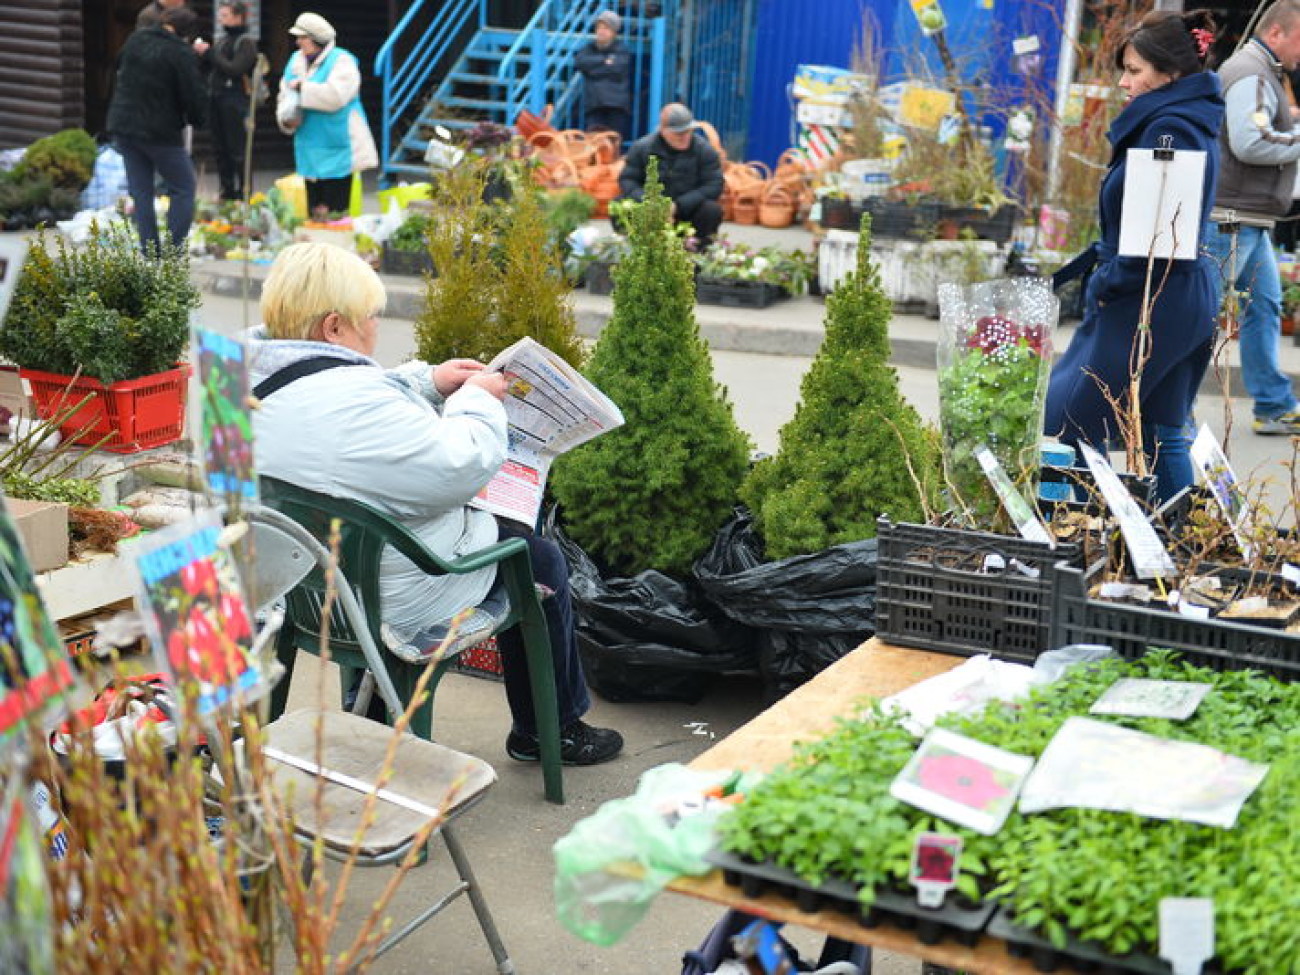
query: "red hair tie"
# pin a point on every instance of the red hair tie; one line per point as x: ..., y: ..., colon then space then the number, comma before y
x: 1203, y: 39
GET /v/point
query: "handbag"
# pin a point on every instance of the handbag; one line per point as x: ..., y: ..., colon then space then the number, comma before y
x: 288, y: 111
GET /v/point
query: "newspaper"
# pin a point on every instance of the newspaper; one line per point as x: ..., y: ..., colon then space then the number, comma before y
x: 551, y: 409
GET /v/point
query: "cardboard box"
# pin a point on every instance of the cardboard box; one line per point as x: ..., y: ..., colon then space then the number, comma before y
x: 43, y: 526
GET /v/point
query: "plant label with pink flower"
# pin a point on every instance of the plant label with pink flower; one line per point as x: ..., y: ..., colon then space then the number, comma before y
x: 962, y: 780
x: 934, y: 867
x: 195, y: 613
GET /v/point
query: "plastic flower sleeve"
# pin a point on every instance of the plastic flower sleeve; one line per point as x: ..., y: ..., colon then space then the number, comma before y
x: 994, y: 358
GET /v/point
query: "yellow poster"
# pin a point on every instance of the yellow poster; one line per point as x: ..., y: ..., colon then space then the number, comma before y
x: 929, y: 15
x: 925, y: 108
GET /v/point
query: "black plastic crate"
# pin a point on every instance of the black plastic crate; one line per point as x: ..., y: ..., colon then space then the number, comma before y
x: 933, y: 591
x: 1132, y: 630
x: 1086, y: 496
x: 902, y: 221
x: 737, y: 294
x: 413, y: 263
x: 958, y: 919
x: 996, y: 225
x: 600, y: 280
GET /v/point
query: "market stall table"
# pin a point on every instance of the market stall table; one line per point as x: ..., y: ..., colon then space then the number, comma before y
x: 875, y: 669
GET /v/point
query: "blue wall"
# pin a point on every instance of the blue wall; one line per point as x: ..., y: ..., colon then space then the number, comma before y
x: 795, y: 32
x: 980, y: 32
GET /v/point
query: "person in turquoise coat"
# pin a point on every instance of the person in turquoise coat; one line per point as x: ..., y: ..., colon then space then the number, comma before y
x: 320, y: 106
x: 1170, y: 94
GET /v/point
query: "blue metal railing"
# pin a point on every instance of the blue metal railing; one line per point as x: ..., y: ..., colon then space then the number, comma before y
x: 407, y: 61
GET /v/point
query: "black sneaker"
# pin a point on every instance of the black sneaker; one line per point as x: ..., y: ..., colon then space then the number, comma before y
x: 580, y: 744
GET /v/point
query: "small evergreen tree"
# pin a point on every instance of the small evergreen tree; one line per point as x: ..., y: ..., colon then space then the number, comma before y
x: 498, y: 275
x: 855, y: 448
x: 652, y: 493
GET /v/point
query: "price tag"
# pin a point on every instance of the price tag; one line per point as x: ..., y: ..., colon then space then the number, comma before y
x: 1187, y: 933
x: 1291, y: 573
x: 1150, y: 560
x: 1022, y: 515
x: 934, y: 867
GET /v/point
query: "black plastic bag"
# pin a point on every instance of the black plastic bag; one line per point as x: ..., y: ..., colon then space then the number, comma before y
x: 810, y: 609
x: 650, y: 637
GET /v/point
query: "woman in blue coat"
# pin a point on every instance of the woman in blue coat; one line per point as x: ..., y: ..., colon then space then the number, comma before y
x: 1170, y: 93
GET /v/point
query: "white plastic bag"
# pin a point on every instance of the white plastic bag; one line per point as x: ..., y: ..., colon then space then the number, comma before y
x: 288, y: 111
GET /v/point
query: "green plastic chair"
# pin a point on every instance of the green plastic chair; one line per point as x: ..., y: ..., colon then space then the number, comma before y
x: 363, y: 535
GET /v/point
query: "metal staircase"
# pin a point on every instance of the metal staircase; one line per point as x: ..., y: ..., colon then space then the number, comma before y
x: 450, y: 67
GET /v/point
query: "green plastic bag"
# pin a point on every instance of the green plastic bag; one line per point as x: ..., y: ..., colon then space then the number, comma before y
x: 612, y: 864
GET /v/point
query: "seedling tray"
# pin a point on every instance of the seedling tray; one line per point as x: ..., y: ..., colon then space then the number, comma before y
x: 955, y: 920
x: 932, y: 592
x: 1132, y: 630
x: 1077, y: 955
x: 737, y: 294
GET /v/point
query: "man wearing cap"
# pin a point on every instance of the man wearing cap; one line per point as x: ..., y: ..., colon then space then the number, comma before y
x: 689, y: 169
x: 605, y: 64
x: 331, y: 138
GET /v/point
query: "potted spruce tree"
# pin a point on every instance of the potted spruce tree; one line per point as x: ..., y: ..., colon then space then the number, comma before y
x: 103, y: 328
x: 800, y: 564
x: 651, y: 494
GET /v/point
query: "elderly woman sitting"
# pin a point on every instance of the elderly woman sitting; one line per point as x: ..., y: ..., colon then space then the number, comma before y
x: 417, y: 443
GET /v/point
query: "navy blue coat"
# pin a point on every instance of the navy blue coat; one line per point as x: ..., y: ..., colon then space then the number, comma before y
x: 607, y: 74
x: 1183, y: 317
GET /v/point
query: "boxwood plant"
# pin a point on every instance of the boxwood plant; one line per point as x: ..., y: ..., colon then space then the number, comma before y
x: 1070, y: 873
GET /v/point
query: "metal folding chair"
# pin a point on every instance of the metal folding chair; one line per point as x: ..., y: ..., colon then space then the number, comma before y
x: 341, y: 753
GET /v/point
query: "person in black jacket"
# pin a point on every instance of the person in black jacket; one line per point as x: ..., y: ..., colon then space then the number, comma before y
x: 606, y: 67
x: 689, y: 169
x: 158, y: 92
x: 231, y: 60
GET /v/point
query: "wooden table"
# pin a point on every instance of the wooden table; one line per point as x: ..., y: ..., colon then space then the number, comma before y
x: 874, y: 669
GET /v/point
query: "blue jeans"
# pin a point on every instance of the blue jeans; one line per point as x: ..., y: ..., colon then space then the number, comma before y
x: 1260, y: 321
x: 1169, y: 450
x: 549, y: 569
x: 174, y: 166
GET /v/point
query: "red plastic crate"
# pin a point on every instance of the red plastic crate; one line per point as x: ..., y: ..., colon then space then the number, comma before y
x: 134, y: 415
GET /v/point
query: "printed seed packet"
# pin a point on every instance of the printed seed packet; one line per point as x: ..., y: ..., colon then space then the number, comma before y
x: 226, y: 429
x: 962, y: 780
x: 36, y: 674
x: 1096, y: 765
x: 1138, y: 697
x: 195, y: 612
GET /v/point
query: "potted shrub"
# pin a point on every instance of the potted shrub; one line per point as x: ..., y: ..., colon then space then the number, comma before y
x: 107, y: 325
x: 48, y: 180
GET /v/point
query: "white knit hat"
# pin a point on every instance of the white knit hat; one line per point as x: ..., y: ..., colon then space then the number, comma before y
x: 314, y: 26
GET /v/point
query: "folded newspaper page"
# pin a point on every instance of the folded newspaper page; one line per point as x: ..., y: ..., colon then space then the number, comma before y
x: 551, y: 409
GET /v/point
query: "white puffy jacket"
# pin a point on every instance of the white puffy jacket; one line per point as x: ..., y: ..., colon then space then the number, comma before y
x: 389, y: 439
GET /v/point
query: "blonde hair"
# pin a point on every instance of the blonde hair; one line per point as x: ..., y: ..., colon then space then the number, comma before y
x: 309, y: 281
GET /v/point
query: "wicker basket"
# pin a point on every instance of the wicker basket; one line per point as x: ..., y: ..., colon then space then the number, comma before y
x: 777, y: 206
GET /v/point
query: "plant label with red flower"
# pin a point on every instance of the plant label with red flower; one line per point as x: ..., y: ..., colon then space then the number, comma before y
x: 962, y: 780
x: 934, y: 867
x: 224, y: 420
x: 195, y: 612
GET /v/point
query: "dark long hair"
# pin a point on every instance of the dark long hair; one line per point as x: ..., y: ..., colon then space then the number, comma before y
x: 1172, y: 43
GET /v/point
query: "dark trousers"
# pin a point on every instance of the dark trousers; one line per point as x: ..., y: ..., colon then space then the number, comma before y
x: 610, y: 120
x: 173, y: 165
x: 335, y: 195
x: 551, y: 571
x: 228, y: 112
x: 706, y: 218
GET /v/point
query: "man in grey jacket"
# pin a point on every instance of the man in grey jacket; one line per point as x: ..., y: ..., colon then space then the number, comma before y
x: 689, y: 169
x: 1260, y: 147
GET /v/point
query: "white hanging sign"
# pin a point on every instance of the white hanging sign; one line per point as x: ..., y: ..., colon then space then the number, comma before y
x: 1163, y: 191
